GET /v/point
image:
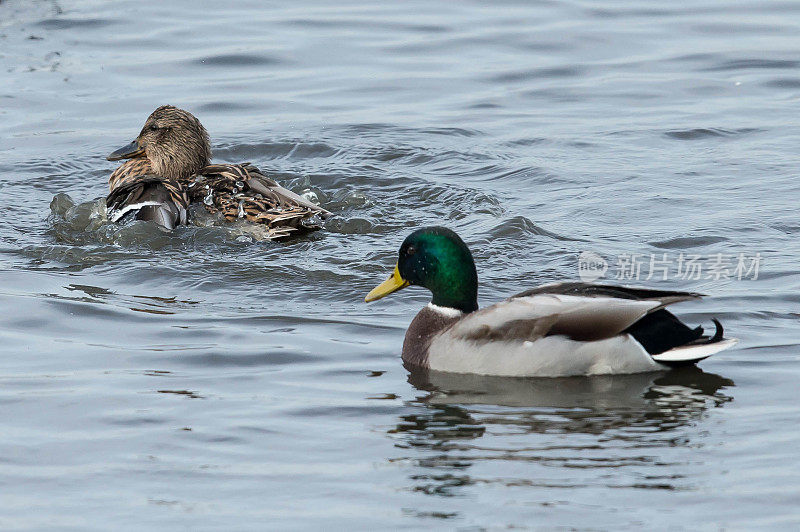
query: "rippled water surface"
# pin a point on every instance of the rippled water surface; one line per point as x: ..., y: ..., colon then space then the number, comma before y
x: 204, y: 379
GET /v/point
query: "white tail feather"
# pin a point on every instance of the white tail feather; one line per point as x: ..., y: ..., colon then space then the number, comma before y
x: 116, y: 215
x: 693, y: 353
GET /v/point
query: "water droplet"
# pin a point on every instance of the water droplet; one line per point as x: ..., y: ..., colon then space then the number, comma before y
x: 240, y: 214
x: 209, y: 199
x: 310, y: 195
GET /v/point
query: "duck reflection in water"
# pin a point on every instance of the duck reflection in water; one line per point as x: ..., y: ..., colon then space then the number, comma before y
x: 554, y: 432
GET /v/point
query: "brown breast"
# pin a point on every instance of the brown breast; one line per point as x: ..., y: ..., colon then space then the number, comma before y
x: 427, y: 324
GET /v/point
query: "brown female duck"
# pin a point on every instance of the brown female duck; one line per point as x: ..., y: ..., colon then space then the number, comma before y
x: 172, y: 155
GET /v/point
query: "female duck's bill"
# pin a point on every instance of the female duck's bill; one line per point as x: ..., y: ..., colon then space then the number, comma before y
x: 554, y: 330
x: 128, y: 151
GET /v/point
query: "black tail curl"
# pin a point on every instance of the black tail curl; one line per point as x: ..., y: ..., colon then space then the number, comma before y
x: 718, y: 334
x: 661, y: 331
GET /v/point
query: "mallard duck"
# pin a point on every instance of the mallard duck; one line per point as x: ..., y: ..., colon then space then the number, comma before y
x: 174, y: 149
x: 560, y: 329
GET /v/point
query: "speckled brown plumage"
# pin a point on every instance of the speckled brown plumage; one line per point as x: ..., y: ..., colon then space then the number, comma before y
x: 129, y: 171
x: 242, y: 192
x: 174, y: 144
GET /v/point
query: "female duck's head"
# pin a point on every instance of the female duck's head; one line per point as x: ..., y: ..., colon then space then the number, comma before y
x: 173, y: 140
x: 436, y: 258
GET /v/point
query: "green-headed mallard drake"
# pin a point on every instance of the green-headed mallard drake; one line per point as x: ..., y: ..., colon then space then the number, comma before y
x: 560, y: 329
x: 174, y: 147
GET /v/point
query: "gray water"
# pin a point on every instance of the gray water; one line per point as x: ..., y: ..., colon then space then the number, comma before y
x: 206, y: 380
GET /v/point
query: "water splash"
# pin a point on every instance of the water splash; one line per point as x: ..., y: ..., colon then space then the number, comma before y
x: 310, y: 195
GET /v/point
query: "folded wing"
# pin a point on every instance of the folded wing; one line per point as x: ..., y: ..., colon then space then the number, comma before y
x: 149, y: 198
x: 531, y: 317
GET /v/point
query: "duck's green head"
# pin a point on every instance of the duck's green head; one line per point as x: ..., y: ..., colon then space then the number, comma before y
x: 436, y: 258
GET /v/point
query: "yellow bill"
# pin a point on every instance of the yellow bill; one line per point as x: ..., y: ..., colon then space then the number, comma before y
x: 392, y: 284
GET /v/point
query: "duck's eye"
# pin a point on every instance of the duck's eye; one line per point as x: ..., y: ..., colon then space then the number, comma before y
x: 154, y: 128
x: 411, y: 250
